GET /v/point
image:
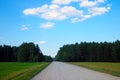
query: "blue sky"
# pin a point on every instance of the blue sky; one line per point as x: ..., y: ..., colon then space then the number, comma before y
x: 53, y: 23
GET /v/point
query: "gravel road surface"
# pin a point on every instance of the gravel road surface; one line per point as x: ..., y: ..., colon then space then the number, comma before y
x: 64, y: 71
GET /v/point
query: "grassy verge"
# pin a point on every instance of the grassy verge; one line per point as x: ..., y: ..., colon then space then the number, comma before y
x: 20, y: 71
x: 110, y: 68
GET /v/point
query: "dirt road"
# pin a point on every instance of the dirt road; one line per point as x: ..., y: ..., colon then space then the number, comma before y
x: 63, y: 71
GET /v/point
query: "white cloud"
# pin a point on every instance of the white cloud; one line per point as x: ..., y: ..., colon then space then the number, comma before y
x: 63, y: 2
x: 47, y: 25
x: 86, y: 3
x: 100, y: 1
x: 53, y: 6
x: 71, y: 11
x: 25, y: 27
x: 36, y: 11
x: 61, y: 10
x: 93, y: 11
x: 98, y: 10
x: 41, y: 42
x: 77, y: 19
x: 30, y: 11
x: 53, y: 15
x: 54, y: 12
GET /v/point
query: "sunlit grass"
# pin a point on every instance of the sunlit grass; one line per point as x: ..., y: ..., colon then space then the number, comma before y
x: 20, y: 71
x: 106, y: 67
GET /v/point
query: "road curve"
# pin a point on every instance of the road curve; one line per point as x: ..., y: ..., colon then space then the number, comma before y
x: 64, y: 71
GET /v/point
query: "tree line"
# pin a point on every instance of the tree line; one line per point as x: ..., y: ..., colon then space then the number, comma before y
x: 90, y: 52
x: 26, y: 52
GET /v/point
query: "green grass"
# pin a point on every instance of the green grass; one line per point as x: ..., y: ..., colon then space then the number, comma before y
x: 20, y: 71
x: 106, y: 67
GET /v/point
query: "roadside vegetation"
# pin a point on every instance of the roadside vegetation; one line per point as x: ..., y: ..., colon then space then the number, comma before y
x: 21, y: 62
x: 106, y: 67
x: 20, y: 71
x: 90, y: 52
x: 26, y: 52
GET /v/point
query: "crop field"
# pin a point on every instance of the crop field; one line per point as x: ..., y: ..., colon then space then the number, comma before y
x: 106, y: 67
x: 20, y: 71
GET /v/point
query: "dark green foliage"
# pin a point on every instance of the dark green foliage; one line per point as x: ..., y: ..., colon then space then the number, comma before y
x: 27, y: 52
x: 90, y: 51
x: 6, y: 53
x: 47, y: 58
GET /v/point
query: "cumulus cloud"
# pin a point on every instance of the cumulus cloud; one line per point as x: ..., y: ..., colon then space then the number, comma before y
x: 61, y: 2
x: 54, y: 12
x: 53, y: 6
x: 41, y: 42
x: 98, y: 10
x: 86, y: 3
x: 77, y: 19
x: 25, y: 27
x: 47, y: 25
x: 71, y: 11
x: 36, y: 11
x: 53, y: 15
x: 61, y: 10
x: 89, y: 3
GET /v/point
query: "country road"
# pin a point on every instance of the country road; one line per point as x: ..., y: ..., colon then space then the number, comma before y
x: 64, y: 71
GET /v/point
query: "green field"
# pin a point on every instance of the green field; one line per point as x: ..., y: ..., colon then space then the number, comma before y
x: 20, y: 71
x: 110, y: 68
